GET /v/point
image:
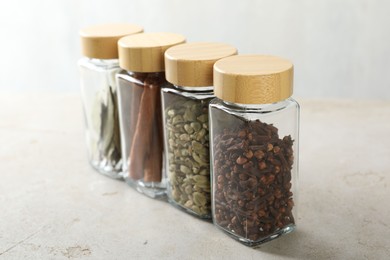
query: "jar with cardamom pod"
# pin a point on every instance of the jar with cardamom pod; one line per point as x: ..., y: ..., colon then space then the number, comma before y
x: 139, y: 92
x: 98, y: 92
x: 254, y: 148
x: 189, y: 67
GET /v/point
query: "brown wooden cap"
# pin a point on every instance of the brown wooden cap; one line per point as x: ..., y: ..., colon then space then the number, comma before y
x: 101, y: 41
x: 253, y: 79
x: 191, y: 64
x: 145, y: 52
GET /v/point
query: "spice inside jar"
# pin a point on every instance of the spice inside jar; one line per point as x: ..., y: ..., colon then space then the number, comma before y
x: 254, y: 140
x: 139, y: 93
x: 189, y: 67
x: 99, y: 94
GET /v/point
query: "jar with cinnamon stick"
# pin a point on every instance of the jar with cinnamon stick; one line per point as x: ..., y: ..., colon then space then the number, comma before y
x: 254, y: 148
x: 139, y: 92
x: 189, y: 67
x: 99, y: 94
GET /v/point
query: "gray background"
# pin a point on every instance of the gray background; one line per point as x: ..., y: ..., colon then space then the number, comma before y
x: 341, y: 49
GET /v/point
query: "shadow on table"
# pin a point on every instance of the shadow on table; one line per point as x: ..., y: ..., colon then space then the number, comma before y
x: 298, y: 244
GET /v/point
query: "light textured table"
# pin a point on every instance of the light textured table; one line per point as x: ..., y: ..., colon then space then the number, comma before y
x: 54, y: 206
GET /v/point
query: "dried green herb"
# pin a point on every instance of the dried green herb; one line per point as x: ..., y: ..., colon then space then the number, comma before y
x: 188, y: 153
x: 105, y: 146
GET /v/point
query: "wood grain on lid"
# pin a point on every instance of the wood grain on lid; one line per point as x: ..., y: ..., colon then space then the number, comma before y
x: 253, y: 79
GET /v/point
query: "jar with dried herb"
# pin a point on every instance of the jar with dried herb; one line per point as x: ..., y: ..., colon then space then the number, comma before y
x: 254, y: 148
x: 98, y: 92
x: 189, y: 67
x: 139, y: 91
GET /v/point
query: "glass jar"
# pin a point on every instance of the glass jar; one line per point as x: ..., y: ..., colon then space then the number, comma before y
x: 139, y: 92
x: 186, y: 126
x: 98, y: 93
x: 254, y: 148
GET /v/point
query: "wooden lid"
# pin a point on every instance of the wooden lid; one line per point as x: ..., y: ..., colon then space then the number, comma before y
x: 191, y: 64
x: 145, y: 52
x: 253, y: 79
x: 101, y: 41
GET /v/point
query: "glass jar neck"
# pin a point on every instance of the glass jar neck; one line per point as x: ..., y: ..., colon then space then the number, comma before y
x: 103, y: 61
x: 195, y: 89
x: 269, y: 106
x: 105, y: 64
x: 133, y: 73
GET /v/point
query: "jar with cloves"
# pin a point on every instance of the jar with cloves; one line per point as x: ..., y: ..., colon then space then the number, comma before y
x: 189, y: 67
x: 139, y: 92
x: 99, y: 94
x: 254, y: 148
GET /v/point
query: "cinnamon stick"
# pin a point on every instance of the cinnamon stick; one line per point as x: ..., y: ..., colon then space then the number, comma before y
x: 153, y: 161
x: 141, y: 144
